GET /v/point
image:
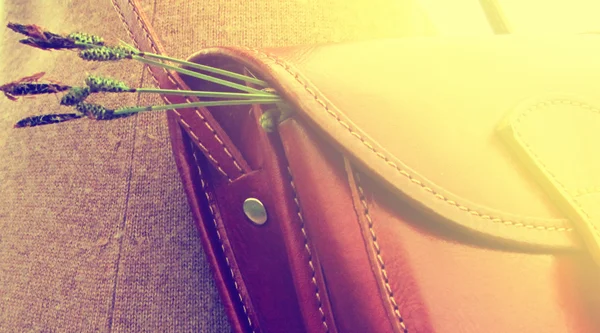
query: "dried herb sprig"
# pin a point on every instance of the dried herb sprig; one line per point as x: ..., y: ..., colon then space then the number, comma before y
x: 31, y: 30
x: 24, y: 89
x: 92, y: 48
x: 209, y: 94
x: 51, y: 44
x: 209, y: 69
x: 233, y: 75
x: 29, y: 86
x: 201, y: 76
x: 85, y: 38
x: 131, y: 110
x: 46, y: 40
x: 75, y: 96
x: 98, y: 112
x: 47, y: 119
x: 95, y: 84
x: 105, y: 53
x: 98, y: 83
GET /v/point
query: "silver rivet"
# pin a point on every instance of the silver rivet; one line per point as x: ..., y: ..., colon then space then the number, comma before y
x: 255, y: 211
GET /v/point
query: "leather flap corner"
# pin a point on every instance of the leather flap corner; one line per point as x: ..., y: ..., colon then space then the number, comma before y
x: 556, y: 137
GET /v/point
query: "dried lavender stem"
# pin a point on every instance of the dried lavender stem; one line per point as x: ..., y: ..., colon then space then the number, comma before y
x: 98, y: 83
x: 46, y: 119
x: 34, y: 88
x: 223, y: 72
x: 207, y: 94
x: 191, y: 105
x: 201, y: 76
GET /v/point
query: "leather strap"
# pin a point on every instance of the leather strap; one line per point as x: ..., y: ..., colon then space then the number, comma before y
x: 208, y: 135
x: 209, y: 138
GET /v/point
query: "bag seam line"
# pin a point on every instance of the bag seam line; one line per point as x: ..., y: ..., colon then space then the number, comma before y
x: 213, y: 215
x: 197, y: 112
x: 169, y: 77
x: 473, y: 212
x: 518, y: 135
x: 377, y: 248
x: 308, y: 251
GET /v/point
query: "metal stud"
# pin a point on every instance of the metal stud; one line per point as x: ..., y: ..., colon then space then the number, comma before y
x: 255, y: 211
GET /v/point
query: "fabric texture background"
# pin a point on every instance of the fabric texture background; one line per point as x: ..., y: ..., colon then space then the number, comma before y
x: 95, y: 231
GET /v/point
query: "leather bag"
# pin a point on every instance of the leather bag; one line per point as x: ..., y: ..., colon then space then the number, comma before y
x: 421, y: 185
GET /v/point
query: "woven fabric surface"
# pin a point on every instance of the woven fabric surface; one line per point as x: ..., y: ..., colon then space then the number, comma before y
x: 95, y: 231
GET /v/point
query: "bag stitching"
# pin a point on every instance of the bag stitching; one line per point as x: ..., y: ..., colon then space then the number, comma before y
x: 403, y: 172
x: 202, y: 118
x: 538, y: 107
x: 380, y: 261
x: 213, y: 215
x: 585, y: 191
x: 306, y: 247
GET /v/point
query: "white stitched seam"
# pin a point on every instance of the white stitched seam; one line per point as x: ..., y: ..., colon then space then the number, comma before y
x: 147, y: 34
x: 380, y: 261
x: 212, y: 211
x: 307, y: 248
x: 539, y: 106
x: 401, y: 171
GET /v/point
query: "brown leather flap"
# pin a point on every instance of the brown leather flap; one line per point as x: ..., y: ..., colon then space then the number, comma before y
x: 421, y: 115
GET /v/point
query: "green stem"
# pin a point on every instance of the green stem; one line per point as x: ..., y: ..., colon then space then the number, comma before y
x: 88, y: 45
x: 207, y: 68
x: 194, y: 104
x: 201, y: 76
x: 207, y: 94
